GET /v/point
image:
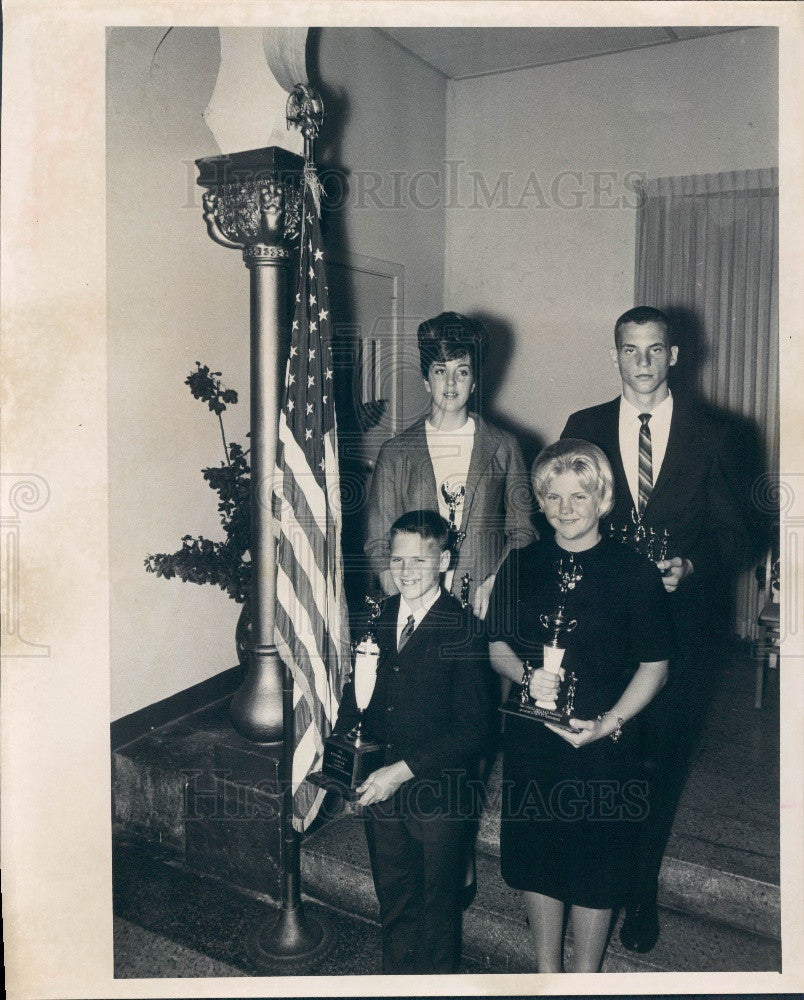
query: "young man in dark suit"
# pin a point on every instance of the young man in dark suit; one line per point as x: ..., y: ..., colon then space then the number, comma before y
x: 672, y: 474
x: 430, y: 706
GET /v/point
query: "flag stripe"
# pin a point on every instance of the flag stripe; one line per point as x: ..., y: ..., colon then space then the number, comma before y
x: 317, y: 593
x: 295, y: 516
x: 307, y: 800
x: 312, y: 632
x: 306, y: 751
x: 314, y: 497
x: 303, y: 554
x: 306, y: 631
x: 339, y: 621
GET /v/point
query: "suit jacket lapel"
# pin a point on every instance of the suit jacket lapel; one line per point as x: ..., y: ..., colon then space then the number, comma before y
x: 420, y: 633
x: 487, y: 441
x: 424, y: 464
x: 386, y: 627
x: 674, y: 455
x: 612, y: 448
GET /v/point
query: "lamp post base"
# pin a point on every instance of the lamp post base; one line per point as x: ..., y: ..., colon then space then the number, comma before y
x: 289, y: 938
x: 256, y: 708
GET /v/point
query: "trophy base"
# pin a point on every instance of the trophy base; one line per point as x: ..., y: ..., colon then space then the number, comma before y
x: 346, y: 765
x: 530, y: 710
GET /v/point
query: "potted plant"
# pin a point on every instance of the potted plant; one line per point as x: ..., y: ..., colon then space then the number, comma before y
x: 227, y: 563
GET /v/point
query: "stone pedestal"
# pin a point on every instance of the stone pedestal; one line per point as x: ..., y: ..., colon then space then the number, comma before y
x: 233, y: 822
x: 200, y: 789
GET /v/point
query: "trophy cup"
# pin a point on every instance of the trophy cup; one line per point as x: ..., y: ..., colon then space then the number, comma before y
x: 640, y: 535
x: 350, y: 758
x: 465, y: 581
x: 454, y: 497
x: 649, y: 542
x: 560, y: 710
x: 658, y: 546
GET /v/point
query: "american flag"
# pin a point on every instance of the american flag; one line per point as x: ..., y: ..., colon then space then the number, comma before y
x: 312, y: 632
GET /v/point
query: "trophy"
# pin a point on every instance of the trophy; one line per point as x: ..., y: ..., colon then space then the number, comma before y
x: 465, y: 581
x: 454, y: 497
x: 560, y: 709
x: 350, y: 758
x: 648, y: 541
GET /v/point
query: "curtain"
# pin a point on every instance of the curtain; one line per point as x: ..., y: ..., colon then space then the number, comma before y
x: 707, y: 253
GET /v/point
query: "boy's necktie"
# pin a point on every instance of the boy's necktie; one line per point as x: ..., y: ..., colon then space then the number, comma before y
x: 645, y: 463
x: 406, y: 633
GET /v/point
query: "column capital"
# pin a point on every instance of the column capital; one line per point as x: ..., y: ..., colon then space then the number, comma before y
x: 253, y: 201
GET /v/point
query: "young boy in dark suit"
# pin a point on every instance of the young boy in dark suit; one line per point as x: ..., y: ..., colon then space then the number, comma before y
x: 430, y: 707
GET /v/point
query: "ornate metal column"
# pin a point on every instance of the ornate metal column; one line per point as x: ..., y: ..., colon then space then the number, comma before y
x: 252, y: 203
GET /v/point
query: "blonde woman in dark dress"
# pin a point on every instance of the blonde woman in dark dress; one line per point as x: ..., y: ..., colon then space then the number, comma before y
x: 573, y: 798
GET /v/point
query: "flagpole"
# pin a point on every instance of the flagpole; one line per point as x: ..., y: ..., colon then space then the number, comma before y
x: 253, y: 202
x: 291, y: 936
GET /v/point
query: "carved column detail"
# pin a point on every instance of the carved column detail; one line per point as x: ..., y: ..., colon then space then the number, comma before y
x: 244, y: 216
x: 252, y: 203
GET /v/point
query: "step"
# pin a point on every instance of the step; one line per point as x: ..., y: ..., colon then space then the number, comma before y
x: 196, y: 786
x: 157, y: 776
x: 336, y: 871
x: 150, y: 775
x: 702, y: 889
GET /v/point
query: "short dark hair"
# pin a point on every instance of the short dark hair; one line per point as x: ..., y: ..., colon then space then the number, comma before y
x: 427, y: 523
x: 640, y: 315
x: 449, y: 336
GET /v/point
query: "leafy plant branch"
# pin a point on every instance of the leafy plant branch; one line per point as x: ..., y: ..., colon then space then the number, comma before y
x: 227, y: 564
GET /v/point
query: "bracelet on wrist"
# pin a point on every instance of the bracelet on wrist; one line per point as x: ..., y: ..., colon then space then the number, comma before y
x: 618, y: 729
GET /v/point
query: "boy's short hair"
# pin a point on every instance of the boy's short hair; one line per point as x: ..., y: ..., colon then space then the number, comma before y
x: 429, y: 524
x: 449, y: 336
x: 583, y: 458
x: 640, y: 315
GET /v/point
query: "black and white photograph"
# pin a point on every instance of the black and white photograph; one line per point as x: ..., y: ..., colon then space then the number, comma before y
x: 403, y: 500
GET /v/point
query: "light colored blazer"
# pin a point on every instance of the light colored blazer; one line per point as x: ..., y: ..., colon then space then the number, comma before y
x: 497, y: 508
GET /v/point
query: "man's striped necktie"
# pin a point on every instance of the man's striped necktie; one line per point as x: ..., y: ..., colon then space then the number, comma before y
x: 645, y: 463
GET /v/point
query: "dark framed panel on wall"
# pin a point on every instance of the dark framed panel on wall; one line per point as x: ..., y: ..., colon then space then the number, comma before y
x: 366, y: 299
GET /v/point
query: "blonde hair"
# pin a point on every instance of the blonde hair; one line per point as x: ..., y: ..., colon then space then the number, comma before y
x: 583, y: 458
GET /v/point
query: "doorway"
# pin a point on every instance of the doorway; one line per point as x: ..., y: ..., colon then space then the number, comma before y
x: 366, y: 299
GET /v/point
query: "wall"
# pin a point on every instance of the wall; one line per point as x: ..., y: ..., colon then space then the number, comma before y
x: 174, y: 297
x: 551, y: 278
x: 385, y: 137
x: 554, y: 268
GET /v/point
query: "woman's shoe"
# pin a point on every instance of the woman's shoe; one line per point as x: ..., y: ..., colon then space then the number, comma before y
x: 468, y: 893
x: 640, y: 928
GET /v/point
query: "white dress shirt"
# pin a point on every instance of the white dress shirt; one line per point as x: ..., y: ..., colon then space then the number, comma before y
x: 428, y: 600
x: 630, y: 425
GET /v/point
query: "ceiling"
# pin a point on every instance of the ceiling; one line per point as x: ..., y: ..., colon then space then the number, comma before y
x: 460, y: 53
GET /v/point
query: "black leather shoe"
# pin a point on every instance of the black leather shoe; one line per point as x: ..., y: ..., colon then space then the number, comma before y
x: 640, y: 929
x: 468, y: 894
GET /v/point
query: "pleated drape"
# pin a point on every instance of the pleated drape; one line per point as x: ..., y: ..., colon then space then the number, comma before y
x: 707, y: 251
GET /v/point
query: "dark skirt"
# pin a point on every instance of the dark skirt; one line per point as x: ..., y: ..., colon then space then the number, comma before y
x: 570, y: 818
